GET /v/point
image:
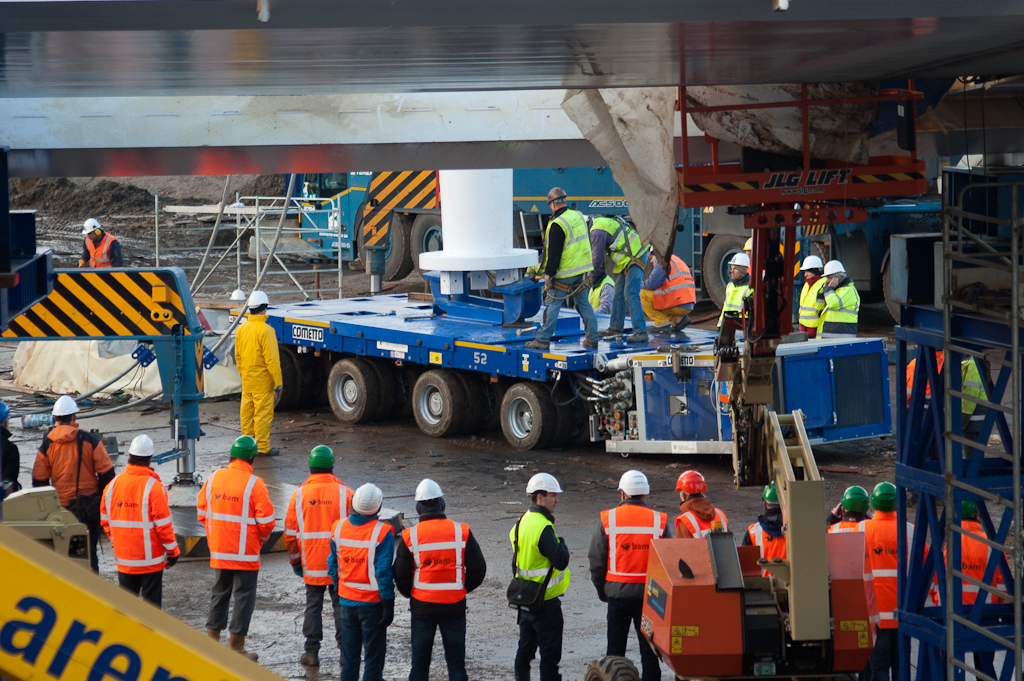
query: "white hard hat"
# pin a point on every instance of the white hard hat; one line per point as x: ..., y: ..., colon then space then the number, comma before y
x: 427, y: 490
x: 634, y: 483
x: 811, y: 262
x: 543, y: 482
x: 740, y: 260
x: 238, y: 295
x: 258, y: 298
x: 65, y: 406
x: 367, y: 499
x: 142, y: 445
x: 834, y: 267
x: 90, y: 226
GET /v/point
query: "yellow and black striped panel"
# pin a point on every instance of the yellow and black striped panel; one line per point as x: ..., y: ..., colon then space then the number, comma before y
x: 200, y: 376
x: 389, y: 191
x: 98, y: 303
x: 718, y: 187
x: 887, y: 177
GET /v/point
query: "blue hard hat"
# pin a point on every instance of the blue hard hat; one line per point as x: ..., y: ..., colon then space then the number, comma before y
x: 5, y: 411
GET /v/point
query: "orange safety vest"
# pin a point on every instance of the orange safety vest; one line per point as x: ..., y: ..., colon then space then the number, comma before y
x: 438, y: 549
x: 845, y: 526
x: 357, y: 551
x: 630, y: 529
x: 880, y: 542
x: 99, y: 254
x: 236, y: 510
x: 699, y: 528
x: 974, y: 557
x: 940, y: 357
x: 771, y: 547
x: 678, y: 288
x: 320, y: 502
x: 135, y: 515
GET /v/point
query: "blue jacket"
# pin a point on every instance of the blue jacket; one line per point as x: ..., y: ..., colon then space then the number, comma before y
x: 382, y: 564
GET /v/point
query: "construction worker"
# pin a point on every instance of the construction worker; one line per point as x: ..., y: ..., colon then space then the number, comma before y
x: 235, y: 509
x: 437, y: 563
x: 850, y: 511
x: 738, y: 288
x: 601, y: 294
x: 697, y: 516
x: 313, y: 510
x: 619, y: 240
x: 766, y: 534
x: 812, y: 298
x: 77, y: 464
x: 135, y: 515
x: 567, y: 268
x: 259, y: 364
x: 842, y: 303
x: 100, y: 248
x: 972, y: 414
x: 10, y: 457
x: 360, y: 565
x: 669, y: 299
x: 618, y: 565
x: 881, y: 540
x: 540, y: 555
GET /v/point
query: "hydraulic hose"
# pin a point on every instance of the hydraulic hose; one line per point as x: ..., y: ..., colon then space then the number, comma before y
x: 120, y: 407
x: 86, y: 395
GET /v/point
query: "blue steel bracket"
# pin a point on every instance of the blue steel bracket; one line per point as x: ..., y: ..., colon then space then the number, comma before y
x: 209, y: 359
x: 520, y: 301
x: 144, y: 355
x: 164, y: 457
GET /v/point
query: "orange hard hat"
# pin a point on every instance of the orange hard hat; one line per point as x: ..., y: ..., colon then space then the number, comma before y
x: 691, y: 482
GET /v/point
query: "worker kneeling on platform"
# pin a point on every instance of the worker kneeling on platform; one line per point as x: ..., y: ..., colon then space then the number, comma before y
x: 698, y: 517
x: 437, y: 563
x: 618, y: 565
x: 259, y: 364
x: 669, y: 298
x: 766, y: 534
x: 135, y: 515
x: 842, y: 303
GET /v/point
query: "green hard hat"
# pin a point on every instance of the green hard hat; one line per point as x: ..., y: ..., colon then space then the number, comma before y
x: 968, y: 509
x: 321, y: 456
x: 769, y: 494
x: 883, y: 497
x: 855, y: 499
x: 244, y: 448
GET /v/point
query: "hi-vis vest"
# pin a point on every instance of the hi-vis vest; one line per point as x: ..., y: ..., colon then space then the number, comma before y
x: 135, y: 514
x: 530, y: 564
x: 700, y: 528
x: 974, y: 558
x: 678, y: 288
x: 771, y: 547
x: 236, y: 510
x: 624, y: 244
x: 810, y: 305
x: 734, y: 296
x: 357, y: 553
x: 842, y: 308
x: 881, y: 542
x: 321, y: 501
x: 630, y: 529
x: 844, y: 526
x: 595, y: 293
x: 576, y: 251
x: 99, y: 254
x: 438, y: 549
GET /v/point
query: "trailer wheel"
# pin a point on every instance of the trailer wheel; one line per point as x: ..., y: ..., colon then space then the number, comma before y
x: 314, y: 380
x: 439, y: 403
x: 573, y: 430
x: 528, y: 416
x: 353, y: 390
x: 425, y: 236
x: 612, y: 668
x: 478, y: 405
x: 716, y: 264
x: 291, y: 381
x: 391, y: 397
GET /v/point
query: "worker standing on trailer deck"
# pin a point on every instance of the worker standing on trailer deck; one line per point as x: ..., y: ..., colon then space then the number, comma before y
x: 618, y: 565
x: 850, y: 511
x: 135, y: 515
x: 812, y: 298
x: 437, y: 563
x: 669, y: 299
x: 259, y: 363
x: 881, y: 541
x: 697, y: 516
x: 738, y: 289
x: 566, y: 266
x: 766, y: 533
x: 842, y: 303
x: 77, y: 464
x: 540, y: 555
x: 235, y: 509
x: 601, y: 294
x: 10, y: 457
x: 360, y: 564
x: 100, y: 248
x: 320, y: 502
x: 619, y: 240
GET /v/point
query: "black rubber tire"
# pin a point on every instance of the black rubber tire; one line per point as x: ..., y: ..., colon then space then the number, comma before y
x: 391, y: 395
x: 478, y: 406
x: 292, y: 383
x: 354, y: 391
x: 314, y: 380
x: 398, y: 263
x: 425, y: 236
x: 715, y: 264
x: 528, y: 416
x: 439, y: 403
x: 572, y: 423
x: 894, y: 307
x: 611, y: 668
x: 496, y: 393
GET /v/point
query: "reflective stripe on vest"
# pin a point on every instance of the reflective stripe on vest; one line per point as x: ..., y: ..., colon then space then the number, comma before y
x: 701, y: 528
x: 881, y: 544
x: 678, y: 288
x: 530, y: 563
x: 771, y: 547
x: 810, y: 306
x: 145, y: 525
x: 845, y: 526
x: 970, y: 383
x: 628, y: 562
x: 576, y: 251
x: 243, y: 522
x: 619, y: 233
x: 99, y: 254
x: 439, y: 560
x: 304, y: 536
x: 358, y: 583
x: 849, y: 306
x: 734, y: 296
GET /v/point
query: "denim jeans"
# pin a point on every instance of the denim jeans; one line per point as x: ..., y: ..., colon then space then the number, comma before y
x: 361, y: 631
x: 554, y: 301
x: 541, y: 629
x: 312, y: 620
x: 453, y: 637
x: 627, y: 293
x: 621, y: 614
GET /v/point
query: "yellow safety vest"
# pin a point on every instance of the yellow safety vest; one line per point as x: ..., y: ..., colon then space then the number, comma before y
x: 842, y: 306
x: 734, y: 296
x: 970, y: 383
x: 595, y: 293
x: 530, y: 564
x: 810, y: 304
x: 620, y: 252
x: 576, y: 251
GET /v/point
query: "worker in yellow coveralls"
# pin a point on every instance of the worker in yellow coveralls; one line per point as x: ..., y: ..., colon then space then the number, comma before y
x: 259, y: 364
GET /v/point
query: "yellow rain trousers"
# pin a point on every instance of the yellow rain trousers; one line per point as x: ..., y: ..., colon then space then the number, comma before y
x: 259, y: 364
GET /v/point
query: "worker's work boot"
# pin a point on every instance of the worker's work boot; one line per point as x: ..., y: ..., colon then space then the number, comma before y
x: 310, y: 658
x: 681, y: 324
x: 237, y: 643
x: 214, y: 634
x: 609, y: 333
x: 538, y: 345
x: 640, y: 337
x: 589, y: 343
x: 273, y: 451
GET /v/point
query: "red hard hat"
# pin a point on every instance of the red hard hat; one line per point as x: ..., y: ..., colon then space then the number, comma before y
x: 691, y: 482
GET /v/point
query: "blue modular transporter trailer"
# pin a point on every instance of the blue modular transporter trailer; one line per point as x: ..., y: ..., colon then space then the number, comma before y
x: 390, y: 356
